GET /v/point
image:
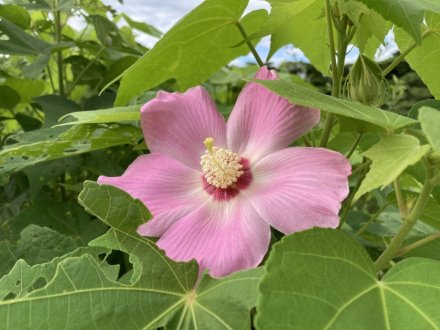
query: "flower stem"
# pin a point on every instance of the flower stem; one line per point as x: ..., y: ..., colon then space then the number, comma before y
x: 408, y: 222
x: 349, y: 199
x: 328, y: 124
x: 400, y: 201
x: 402, y: 56
x: 355, y: 144
x: 370, y: 221
x: 418, y: 243
x: 249, y: 44
x: 59, y: 53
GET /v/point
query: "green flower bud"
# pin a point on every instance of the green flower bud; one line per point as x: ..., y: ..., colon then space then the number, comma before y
x: 365, y: 82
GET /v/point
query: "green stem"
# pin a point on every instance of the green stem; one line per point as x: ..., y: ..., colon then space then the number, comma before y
x: 402, y: 56
x: 410, y: 220
x: 59, y: 53
x: 337, y: 66
x: 249, y: 44
x: 349, y: 199
x: 85, y: 69
x: 417, y: 244
x: 400, y: 201
x: 354, y: 146
x: 370, y: 221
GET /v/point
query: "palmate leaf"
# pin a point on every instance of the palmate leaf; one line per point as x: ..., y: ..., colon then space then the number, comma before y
x: 300, y: 95
x: 390, y: 157
x: 23, y: 278
x: 322, y: 279
x: 197, y: 46
x: 84, y: 294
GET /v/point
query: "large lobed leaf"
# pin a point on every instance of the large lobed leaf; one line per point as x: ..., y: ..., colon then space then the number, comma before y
x: 84, y: 292
x: 300, y: 95
x: 197, y: 46
x: 322, y: 279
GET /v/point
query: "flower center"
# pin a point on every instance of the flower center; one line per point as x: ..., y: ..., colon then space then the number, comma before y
x: 221, y: 167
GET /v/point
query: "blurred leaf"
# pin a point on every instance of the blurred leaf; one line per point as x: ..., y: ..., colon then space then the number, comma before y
x: 35, y: 69
x: 54, y: 107
x: 53, y: 143
x: 26, y: 88
x: 325, y: 271
x: 390, y: 157
x: 65, y: 218
x: 414, y: 112
x: 9, y: 98
x: 301, y: 95
x: 28, y: 123
x: 14, y: 41
x: 36, y: 245
x: 197, y: 46
x: 16, y: 15
x: 107, y: 31
x: 144, y: 27
x: 131, y: 113
x: 423, y: 59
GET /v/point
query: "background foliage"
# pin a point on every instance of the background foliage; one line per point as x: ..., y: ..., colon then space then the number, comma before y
x: 69, y: 111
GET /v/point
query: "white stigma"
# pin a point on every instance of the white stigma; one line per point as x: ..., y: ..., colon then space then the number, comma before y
x: 222, y: 167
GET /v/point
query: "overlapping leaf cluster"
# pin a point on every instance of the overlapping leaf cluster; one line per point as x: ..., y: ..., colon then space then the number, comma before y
x: 74, y: 266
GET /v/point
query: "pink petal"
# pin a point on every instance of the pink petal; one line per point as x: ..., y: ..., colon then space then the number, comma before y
x: 263, y: 122
x: 176, y: 125
x: 222, y: 236
x: 299, y: 188
x: 168, y: 188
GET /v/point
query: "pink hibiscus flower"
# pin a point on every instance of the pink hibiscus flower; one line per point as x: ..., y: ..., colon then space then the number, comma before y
x: 214, y: 189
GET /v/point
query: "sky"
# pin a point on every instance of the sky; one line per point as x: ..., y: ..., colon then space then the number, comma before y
x: 163, y: 14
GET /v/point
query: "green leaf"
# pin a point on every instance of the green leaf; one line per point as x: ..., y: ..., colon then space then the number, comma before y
x: 36, y: 245
x: 22, y: 279
x: 160, y: 292
x: 424, y: 58
x: 144, y: 27
x: 9, y: 98
x: 26, y: 88
x: 16, y: 14
x: 414, y: 112
x: 131, y: 113
x: 53, y: 143
x: 66, y: 218
x: 107, y: 32
x: 406, y: 14
x: 430, y: 121
x: 306, y: 97
x: 288, y: 19
x: 14, y: 41
x: 322, y: 279
x: 197, y: 46
x: 54, y: 107
x: 390, y: 157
